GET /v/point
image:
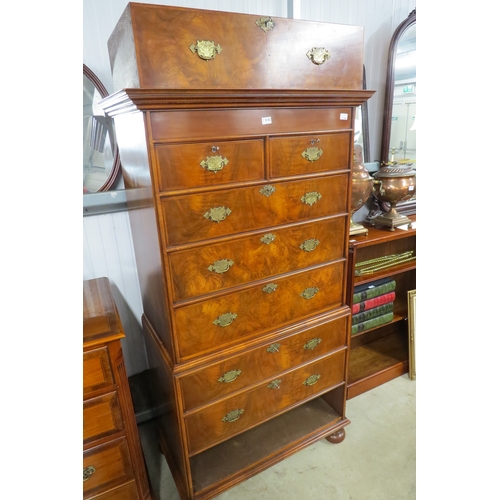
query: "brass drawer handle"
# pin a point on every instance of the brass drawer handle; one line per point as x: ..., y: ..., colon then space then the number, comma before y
x: 275, y: 384
x: 87, y: 472
x: 270, y: 288
x: 229, y: 376
x: 312, y: 154
x: 273, y: 348
x: 309, y: 293
x: 312, y: 379
x: 217, y: 214
x: 318, y: 55
x: 265, y: 24
x: 214, y: 163
x: 268, y: 238
x: 311, y: 198
x: 309, y: 245
x: 312, y: 344
x: 233, y: 415
x: 205, y: 49
x: 267, y: 190
x: 225, y: 319
x: 220, y: 266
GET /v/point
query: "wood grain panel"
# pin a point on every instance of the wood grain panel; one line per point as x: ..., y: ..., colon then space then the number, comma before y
x: 96, y: 370
x: 101, y: 417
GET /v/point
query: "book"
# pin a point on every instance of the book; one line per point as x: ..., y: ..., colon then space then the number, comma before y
x: 372, y: 323
x: 365, y: 305
x: 372, y: 313
x: 373, y: 289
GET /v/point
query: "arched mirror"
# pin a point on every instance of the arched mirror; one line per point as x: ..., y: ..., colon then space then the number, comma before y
x: 361, y: 136
x: 101, y: 160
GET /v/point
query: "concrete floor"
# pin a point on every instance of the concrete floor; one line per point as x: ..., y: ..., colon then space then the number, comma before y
x: 376, y: 461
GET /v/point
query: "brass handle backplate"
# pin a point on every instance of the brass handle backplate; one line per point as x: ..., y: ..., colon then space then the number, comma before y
x: 309, y: 293
x: 265, y: 24
x: 214, y: 163
x: 205, y: 49
x: 311, y: 198
x: 318, y: 55
x: 312, y: 379
x: 312, y: 344
x: 229, y: 376
x: 233, y: 415
x: 309, y: 245
x: 217, y: 214
x: 270, y: 288
x: 275, y: 384
x: 220, y: 266
x: 267, y: 190
x: 225, y: 319
x: 312, y: 154
x: 268, y: 238
x: 273, y: 348
x: 87, y: 472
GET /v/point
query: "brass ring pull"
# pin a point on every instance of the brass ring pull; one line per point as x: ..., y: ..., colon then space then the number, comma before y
x: 205, y: 49
x: 214, y: 163
x: 87, y: 472
x: 273, y: 348
x: 275, y: 384
x: 217, y: 214
x: 309, y: 245
x: 318, y: 55
x: 312, y: 344
x: 265, y: 24
x: 312, y: 154
x: 309, y: 293
x: 268, y: 238
x: 312, y: 379
x: 233, y: 415
x: 229, y: 376
x: 311, y: 198
x: 267, y: 190
x: 225, y: 319
x: 220, y: 266
x: 270, y: 288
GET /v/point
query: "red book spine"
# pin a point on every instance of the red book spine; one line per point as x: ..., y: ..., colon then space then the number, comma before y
x: 371, y: 303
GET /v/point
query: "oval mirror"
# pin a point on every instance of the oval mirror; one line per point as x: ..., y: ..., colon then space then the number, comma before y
x: 101, y: 160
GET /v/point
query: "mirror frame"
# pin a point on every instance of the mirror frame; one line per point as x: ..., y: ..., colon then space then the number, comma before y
x: 364, y: 124
x: 116, y: 162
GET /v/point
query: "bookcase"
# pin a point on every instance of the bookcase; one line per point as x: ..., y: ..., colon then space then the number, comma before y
x: 380, y: 354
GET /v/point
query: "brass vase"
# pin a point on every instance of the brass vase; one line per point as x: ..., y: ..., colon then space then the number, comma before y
x: 362, y: 188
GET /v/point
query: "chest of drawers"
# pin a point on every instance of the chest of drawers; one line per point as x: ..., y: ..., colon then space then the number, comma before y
x: 113, y: 465
x: 238, y: 169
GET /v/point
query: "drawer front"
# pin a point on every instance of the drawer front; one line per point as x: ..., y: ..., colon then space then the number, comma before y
x: 209, y: 215
x: 125, y: 492
x: 106, y: 467
x: 209, y: 164
x: 101, y: 417
x: 97, y: 372
x: 223, y: 265
x: 238, y: 372
x: 218, y: 323
x: 309, y: 154
x: 234, y: 415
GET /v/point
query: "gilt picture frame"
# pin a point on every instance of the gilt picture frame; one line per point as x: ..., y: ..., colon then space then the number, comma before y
x: 412, y: 328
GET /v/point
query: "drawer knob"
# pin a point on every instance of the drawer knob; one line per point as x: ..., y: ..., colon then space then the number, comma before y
x: 275, y: 384
x: 233, y: 415
x: 214, y: 163
x: 268, y: 238
x: 270, y: 288
x: 265, y: 24
x: 318, y: 55
x: 312, y: 154
x: 225, y: 319
x: 309, y: 293
x: 312, y: 344
x: 309, y: 245
x: 273, y: 348
x: 205, y: 49
x: 311, y: 198
x: 220, y: 266
x: 229, y: 376
x: 217, y: 214
x: 312, y: 379
x: 87, y: 472
x: 267, y: 190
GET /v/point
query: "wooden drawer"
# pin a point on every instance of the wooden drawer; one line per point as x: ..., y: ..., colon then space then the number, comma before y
x: 213, y: 163
x: 309, y: 154
x: 101, y: 417
x: 238, y: 372
x: 217, y: 266
x: 218, y: 323
x: 97, y: 372
x: 125, y: 492
x: 234, y: 415
x: 107, y: 466
x: 209, y: 215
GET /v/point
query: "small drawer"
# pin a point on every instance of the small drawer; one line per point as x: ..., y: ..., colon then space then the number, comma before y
x: 125, y: 492
x: 218, y: 323
x: 106, y: 467
x: 215, y: 163
x: 309, y: 154
x: 234, y: 415
x: 97, y: 372
x: 218, y: 266
x: 235, y: 373
x: 201, y: 216
x: 101, y: 417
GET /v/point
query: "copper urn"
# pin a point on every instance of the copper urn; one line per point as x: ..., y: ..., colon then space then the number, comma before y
x: 362, y: 188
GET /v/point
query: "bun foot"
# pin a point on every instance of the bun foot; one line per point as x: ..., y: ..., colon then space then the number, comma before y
x: 336, y: 437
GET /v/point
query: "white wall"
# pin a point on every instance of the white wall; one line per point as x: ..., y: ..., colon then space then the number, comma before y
x: 107, y: 239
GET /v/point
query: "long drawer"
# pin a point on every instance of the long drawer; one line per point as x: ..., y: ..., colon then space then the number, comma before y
x: 102, y: 417
x: 237, y: 372
x: 202, y: 216
x: 234, y: 415
x: 97, y: 372
x: 217, y: 266
x: 214, y: 324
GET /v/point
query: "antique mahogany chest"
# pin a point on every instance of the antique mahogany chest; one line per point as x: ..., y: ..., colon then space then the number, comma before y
x: 236, y: 136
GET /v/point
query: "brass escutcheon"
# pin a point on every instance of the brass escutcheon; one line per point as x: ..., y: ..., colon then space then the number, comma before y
x: 312, y: 344
x: 217, y: 214
x: 220, y: 266
x: 225, y: 319
x: 87, y: 472
x: 267, y: 190
x: 311, y: 198
x: 205, y: 49
x: 312, y: 154
x: 270, y: 288
x: 229, y: 376
x: 268, y: 238
x: 275, y: 384
x: 318, y: 55
x: 265, y: 24
x: 309, y: 293
x: 312, y: 379
x: 233, y: 415
x: 309, y: 245
x: 214, y: 163
x: 273, y: 348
